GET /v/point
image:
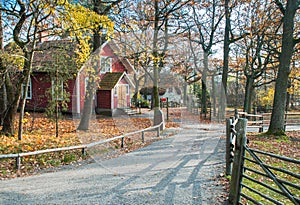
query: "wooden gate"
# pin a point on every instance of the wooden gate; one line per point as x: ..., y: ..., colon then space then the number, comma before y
x: 257, y: 177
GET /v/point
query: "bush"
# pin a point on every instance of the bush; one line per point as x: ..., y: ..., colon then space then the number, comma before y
x: 142, y: 102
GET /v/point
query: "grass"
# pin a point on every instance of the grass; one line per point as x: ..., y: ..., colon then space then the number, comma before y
x: 280, y: 145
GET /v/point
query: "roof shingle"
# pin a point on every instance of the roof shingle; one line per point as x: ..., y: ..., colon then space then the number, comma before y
x: 109, y: 80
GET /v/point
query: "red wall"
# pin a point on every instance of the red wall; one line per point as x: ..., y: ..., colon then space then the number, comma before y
x: 41, y: 92
x: 72, y: 91
x: 41, y: 85
x: 117, y: 66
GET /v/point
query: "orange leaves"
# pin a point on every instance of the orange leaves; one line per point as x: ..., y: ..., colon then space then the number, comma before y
x: 40, y: 135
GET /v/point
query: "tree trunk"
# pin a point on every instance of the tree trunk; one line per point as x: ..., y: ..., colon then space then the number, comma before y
x: 3, y: 101
x: 10, y: 114
x: 90, y: 90
x: 225, y: 62
x: 277, y: 118
x: 204, y: 87
x: 156, y: 103
x: 185, y: 86
x: 91, y: 85
x: 214, y: 101
x: 27, y: 68
x: 248, y: 94
x: 136, y: 89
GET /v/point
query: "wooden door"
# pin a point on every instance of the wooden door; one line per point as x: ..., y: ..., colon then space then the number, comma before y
x: 122, y: 99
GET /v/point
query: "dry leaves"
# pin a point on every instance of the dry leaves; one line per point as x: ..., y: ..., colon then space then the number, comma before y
x: 39, y: 134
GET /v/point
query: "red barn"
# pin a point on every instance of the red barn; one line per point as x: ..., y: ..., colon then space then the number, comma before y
x: 114, y: 85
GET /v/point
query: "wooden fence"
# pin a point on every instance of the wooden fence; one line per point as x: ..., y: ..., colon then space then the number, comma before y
x: 262, y: 120
x: 253, y: 175
x: 84, y: 147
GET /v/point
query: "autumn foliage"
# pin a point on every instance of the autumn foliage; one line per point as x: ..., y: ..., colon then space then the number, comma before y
x: 39, y: 134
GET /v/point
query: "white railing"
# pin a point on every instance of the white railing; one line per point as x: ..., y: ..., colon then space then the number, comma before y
x: 83, y: 147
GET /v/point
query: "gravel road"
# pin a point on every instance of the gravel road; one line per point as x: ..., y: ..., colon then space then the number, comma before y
x: 179, y: 170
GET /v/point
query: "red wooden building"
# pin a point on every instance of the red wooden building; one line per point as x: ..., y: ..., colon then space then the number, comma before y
x: 113, y: 88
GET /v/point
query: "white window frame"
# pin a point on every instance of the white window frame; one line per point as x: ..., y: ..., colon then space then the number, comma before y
x: 105, y: 64
x: 29, y: 91
x: 61, y: 90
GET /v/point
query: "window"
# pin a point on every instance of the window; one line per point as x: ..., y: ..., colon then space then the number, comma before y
x: 105, y: 65
x: 127, y: 89
x: 29, y: 91
x: 116, y: 90
x: 57, y: 90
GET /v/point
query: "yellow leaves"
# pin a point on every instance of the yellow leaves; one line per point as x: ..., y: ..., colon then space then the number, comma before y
x: 266, y: 98
x: 81, y: 23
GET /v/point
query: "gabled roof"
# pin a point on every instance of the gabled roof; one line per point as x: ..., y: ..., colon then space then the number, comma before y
x: 117, y: 51
x: 110, y: 80
x: 55, y: 53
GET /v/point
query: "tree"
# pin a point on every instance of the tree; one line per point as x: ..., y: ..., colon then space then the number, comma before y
x: 2, y: 71
x: 288, y: 44
x: 183, y: 62
x: 221, y: 112
x: 31, y: 22
x: 101, y: 8
x: 261, y: 22
x: 205, y: 33
x: 156, y: 17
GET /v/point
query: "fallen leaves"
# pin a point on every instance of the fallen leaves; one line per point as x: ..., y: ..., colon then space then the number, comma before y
x: 288, y: 146
x: 39, y: 134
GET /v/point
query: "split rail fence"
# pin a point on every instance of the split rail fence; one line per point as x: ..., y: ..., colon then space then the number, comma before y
x: 257, y: 177
x: 262, y: 120
x: 84, y: 147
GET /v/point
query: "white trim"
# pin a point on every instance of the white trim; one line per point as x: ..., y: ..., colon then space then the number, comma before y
x: 115, y: 90
x: 78, y: 93
x: 116, y: 49
x: 112, y: 100
x: 97, y: 52
x: 128, y: 80
x: 29, y: 90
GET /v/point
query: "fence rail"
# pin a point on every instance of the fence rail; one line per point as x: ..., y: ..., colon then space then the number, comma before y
x: 262, y: 120
x: 18, y: 156
x: 253, y: 174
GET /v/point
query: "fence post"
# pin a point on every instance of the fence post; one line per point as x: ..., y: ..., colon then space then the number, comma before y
x: 261, y: 129
x: 236, y: 114
x: 143, y: 137
x: 237, y: 168
x: 18, y: 162
x: 228, y: 142
x: 122, y: 143
x: 83, y: 151
x: 167, y: 109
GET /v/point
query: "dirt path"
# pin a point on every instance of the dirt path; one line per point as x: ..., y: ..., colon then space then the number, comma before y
x: 182, y: 169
